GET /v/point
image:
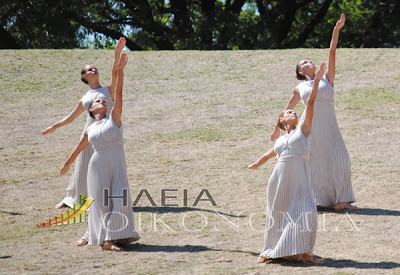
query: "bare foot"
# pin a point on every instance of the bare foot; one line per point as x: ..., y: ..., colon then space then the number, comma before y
x: 294, y: 258
x: 345, y: 205
x: 81, y: 242
x: 261, y: 260
x: 61, y: 205
x: 304, y: 258
x: 109, y: 245
x: 126, y: 241
x: 312, y: 259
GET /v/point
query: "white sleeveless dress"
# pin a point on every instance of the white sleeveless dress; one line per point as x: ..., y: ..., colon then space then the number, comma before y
x: 291, y: 224
x: 110, y: 216
x: 78, y: 181
x: 329, y: 159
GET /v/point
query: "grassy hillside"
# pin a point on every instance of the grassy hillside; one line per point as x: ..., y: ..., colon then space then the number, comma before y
x: 192, y: 121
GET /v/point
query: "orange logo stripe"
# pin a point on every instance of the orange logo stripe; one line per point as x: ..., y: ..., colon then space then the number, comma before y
x: 83, y: 208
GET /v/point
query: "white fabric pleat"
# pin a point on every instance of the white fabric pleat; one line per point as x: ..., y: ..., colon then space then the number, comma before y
x: 291, y: 223
x: 78, y: 180
x: 329, y: 159
x: 107, y: 170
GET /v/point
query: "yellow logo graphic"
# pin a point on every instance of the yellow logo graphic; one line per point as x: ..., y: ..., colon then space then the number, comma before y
x: 76, y: 215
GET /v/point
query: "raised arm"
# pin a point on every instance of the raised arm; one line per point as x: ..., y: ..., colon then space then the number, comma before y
x: 79, y: 109
x: 116, y: 111
x: 330, y: 73
x: 83, y: 143
x: 263, y: 159
x: 294, y: 99
x: 290, y: 106
x: 309, y: 111
x: 118, y: 49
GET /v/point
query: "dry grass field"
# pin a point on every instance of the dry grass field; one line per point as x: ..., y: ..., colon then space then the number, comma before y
x: 193, y: 121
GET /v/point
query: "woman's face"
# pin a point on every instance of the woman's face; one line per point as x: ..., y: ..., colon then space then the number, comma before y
x: 306, y: 66
x: 290, y: 117
x: 98, y: 105
x: 91, y: 73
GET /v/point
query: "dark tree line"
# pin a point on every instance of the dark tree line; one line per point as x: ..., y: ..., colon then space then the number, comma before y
x: 197, y: 24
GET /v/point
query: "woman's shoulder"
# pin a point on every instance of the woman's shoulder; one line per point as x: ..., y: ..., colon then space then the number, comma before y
x: 88, y: 98
x: 300, y: 88
x: 280, y: 139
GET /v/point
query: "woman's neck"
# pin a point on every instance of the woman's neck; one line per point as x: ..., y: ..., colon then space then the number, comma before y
x: 94, y: 85
x: 290, y: 128
x: 99, y: 116
x: 310, y: 77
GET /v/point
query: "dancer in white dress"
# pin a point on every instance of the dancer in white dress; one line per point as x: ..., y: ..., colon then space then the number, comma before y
x: 110, y: 215
x: 329, y: 159
x: 291, y: 224
x: 89, y: 75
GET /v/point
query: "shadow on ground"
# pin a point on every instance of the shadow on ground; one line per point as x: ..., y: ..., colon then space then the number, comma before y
x: 11, y: 213
x: 337, y: 263
x: 362, y: 211
x: 177, y: 248
x: 158, y: 209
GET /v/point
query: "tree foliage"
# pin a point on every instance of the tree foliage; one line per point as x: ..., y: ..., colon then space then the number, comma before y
x: 197, y: 24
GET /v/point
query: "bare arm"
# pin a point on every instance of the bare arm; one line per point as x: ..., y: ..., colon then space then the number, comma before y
x: 309, y: 111
x: 291, y: 104
x: 83, y: 143
x: 79, y: 109
x: 118, y: 49
x: 294, y: 99
x: 263, y: 159
x: 330, y: 73
x: 116, y: 111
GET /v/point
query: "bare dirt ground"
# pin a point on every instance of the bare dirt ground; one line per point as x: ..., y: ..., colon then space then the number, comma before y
x: 194, y: 121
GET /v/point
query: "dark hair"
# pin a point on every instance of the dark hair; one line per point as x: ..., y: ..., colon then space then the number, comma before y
x: 83, y: 71
x: 298, y: 75
x: 90, y: 113
x: 280, y: 125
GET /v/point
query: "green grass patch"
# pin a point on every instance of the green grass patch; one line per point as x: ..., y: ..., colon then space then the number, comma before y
x: 371, y: 103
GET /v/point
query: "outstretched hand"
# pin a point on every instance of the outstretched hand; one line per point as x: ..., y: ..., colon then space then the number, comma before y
x: 122, y: 61
x: 252, y: 166
x: 120, y: 45
x: 321, y: 71
x: 48, y: 130
x: 64, y: 169
x: 340, y: 23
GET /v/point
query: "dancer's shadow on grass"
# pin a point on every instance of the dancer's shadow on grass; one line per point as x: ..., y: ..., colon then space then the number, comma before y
x: 337, y: 263
x: 362, y: 211
x: 166, y: 209
x: 11, y: 213
x: 138, y: 247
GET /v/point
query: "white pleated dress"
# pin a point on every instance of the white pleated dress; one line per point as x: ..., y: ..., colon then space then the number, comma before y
x: 110, y: 219
x: 291, y: 224
x: 329, y: 159
x: 78, y: 180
